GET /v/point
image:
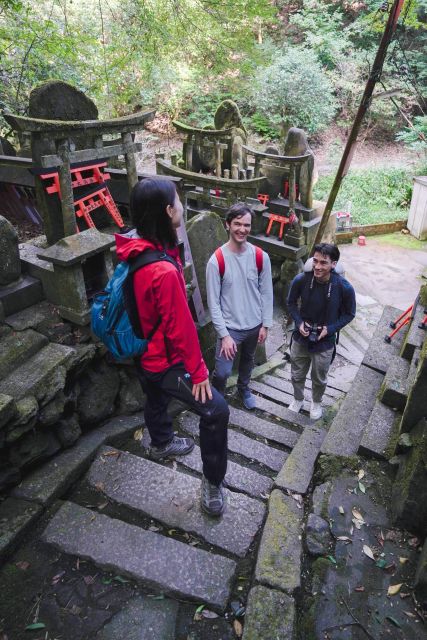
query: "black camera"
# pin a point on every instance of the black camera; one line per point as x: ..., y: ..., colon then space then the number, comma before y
x: 314, y: 330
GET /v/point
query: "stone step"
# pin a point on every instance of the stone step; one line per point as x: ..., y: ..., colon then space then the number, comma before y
x: 335, y: 388
x: 17, y: 517
x: 379, y: 437
x: 286, y: 387
x: 349, y: 350
x: 279, y: 556
x: 240, y: 444
x: 20, y: 295
x: 395, y: 387
x: 142, y: 619
x: 347, y: 427
x: 17, y: 348
x: 42, y: 376
x: 263, y: 428
x: 330, y: 390
x: 238, y: 478
x: 415, y: 336
x: 261, y: 619
x: 279, y: 411
x: 297, y: 471
x: 357, y: 333
x: 173, y: 498
x: 379, y: 351
x: 154, y: 560
x: 284, y: 398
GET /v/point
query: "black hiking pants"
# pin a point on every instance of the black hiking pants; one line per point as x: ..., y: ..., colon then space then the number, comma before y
x: 175, y: 382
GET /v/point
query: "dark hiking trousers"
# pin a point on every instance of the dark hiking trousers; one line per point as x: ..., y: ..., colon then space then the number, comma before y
x: 175, y: 382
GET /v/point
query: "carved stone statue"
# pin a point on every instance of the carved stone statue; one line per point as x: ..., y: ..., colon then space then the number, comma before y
x: 296, y: 144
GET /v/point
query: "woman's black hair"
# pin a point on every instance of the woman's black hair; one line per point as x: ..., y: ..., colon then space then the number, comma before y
x: 148, y: 201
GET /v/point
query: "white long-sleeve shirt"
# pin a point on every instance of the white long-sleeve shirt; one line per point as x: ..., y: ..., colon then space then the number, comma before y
x: 244, y: 299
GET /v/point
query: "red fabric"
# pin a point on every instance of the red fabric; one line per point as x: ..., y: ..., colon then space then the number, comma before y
x: 221, y: 262
x: 160, y: 290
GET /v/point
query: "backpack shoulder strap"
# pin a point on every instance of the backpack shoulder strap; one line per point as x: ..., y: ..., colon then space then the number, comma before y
x: 149, y: 257
x: 259, y: 259
x: 221, y: 262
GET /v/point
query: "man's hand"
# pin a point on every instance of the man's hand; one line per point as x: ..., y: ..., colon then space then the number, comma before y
x: 201, y: 390
x: 228, y: 347
x: 323, y: 333
x: 262, y: 336
x: 303, y: 331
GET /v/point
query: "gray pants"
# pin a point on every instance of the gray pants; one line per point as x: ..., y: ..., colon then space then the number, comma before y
x: 301, y: 358
x: 248, y: 340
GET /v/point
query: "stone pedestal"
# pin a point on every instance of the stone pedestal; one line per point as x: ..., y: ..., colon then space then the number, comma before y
x: 81, y: 263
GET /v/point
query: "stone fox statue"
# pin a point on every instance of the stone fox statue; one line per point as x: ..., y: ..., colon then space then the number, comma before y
x: 227, y: 116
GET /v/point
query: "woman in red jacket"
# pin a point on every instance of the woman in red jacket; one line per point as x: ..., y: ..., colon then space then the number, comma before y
x: 173, y: 364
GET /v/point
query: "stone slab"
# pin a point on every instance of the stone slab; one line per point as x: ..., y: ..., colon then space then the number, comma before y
x: 142, y: 619
x: 161, y: 563
x: 41, y: 376
x: 16, y: 517
x: 349, y: 350
x: 26, y: 292
x: 279, y: 411
x: 173, y: 498
x: 53, y: 479
x: 279, y: 556
x: 7, y: 409
x: 395, y: 387
x: 30, y: 317
x: 270, y: 615
x: 377, y: 439
x: 379, y: 352
x: 286, y: 387
x: 285, y: 398
x: 283, y: 376
x: 237, y: 478
x: 17, y: 348
x: 120, y: 428
x: 297, y: 471
x: 415, y: 336
x: 240, y: 444
x: 287, y: 393
x: 263, y: 428
x: 348, y: 425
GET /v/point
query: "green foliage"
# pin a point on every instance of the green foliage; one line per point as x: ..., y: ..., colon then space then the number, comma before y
x: 295, y: 90
x: 260, y: 124
x: 415, y: 137
x: 377, y: 195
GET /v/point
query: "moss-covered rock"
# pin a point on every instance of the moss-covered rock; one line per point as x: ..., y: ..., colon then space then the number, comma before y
x: 270, y: 614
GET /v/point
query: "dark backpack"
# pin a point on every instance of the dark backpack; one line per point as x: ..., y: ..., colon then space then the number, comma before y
x: 114, y: 315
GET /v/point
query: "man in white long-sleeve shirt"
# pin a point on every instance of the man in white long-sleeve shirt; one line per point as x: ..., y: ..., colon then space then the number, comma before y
x: 240, y: 299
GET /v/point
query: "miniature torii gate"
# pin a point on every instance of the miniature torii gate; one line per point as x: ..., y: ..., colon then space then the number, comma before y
x: 58, y: 135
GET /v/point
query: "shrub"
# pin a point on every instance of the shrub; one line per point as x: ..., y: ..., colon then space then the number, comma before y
x: 295, y: 90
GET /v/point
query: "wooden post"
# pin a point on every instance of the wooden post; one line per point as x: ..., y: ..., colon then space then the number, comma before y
x: 132, y: 175
x: 292, y: 188
x: 67, y: 198
x: 257, y: 166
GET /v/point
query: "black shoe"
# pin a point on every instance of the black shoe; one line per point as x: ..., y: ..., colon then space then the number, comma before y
x: 213, y: 500
x: 176, y: 447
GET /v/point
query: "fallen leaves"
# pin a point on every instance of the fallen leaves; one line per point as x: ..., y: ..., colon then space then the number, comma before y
x: 341, y: 510
x: 394, y: 589
x: 360, y: 588
x: 22, y: 564
x: 368, y: 552
x: 34, y: 626
x: 138, y: 434
x: 361, y: 474
x: 238, y: 629
x: 345, y: 539
x: 57, y: 578
x: 403, y: 560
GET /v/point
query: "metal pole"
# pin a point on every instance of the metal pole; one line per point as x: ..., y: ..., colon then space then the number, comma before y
x: 363, y: 107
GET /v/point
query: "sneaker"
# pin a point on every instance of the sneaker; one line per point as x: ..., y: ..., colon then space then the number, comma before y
x: 213, y: 501
x: 248, y: 399
x: 295, y: 405
x: 315, y: 410
x: 176, y: 447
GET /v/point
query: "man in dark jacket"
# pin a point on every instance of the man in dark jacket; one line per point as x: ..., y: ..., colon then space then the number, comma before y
x: 321, y: 302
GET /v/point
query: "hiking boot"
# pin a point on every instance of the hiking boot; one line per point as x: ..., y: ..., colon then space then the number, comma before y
x: 295, y: 405
x: 315, y: 410
x: 248, y: 399
x: 213, y: 501
x: 176, y: 447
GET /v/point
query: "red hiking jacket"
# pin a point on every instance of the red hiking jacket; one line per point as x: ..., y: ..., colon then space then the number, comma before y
x: 160, y: 290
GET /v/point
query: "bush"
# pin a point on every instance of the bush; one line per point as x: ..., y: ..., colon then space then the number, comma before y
x: 260, y: 124
x: 377, y: 195
x: 295, y: 90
